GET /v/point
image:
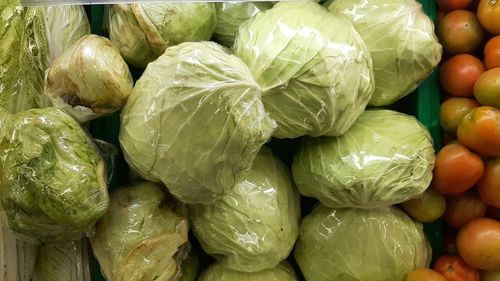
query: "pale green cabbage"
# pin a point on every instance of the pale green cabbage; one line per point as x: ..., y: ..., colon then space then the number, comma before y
x: 53, y: 183
x: 143, y: 235
x: 230, y: 15
x: 191, y: 266
x: 30, y: 39
x: 360, y: 245
x: 313, y: 66
x: 142, y: 32
x: 217, y: 272
x: 90, y: 79
x: 401, y: 40
x: 254, y: 227
x: 384, y: 159
x: 195, y: 122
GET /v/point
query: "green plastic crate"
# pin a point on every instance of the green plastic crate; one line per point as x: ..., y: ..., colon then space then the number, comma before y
x: 423, y: 103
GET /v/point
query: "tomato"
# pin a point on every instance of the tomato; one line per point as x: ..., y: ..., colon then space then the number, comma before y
x: 492, y: 53
x: 440, y: 15
x: 453, y: 268
x: 456, y: 169
x: 490, y: 275
x: 458, y: 75
x: 449, y: 5
x: 462, y: 208
x: 489, y: 185
x: 488, y: 13
x: 478, y: 243
x: 428, y: 207
x: 487, y: 88
x: 452, y: 111
x: 479, y: 130
x: 424, y: 274
x: 493, y: 213
x: 460, y: 32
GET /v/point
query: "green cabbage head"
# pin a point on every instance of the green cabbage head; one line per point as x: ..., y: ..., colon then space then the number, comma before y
x: 52, y: 181
x: 385, y: 158
x: 195, y: 122
x: 230, y: 15
x: 30, y: 39
x: 90, y: 79
x: 401, y: 40
x: 191, y: 266
x: 142, y: 32
x: 218, y: 272
x: 360, y: 245
x: 254, y: 227
x: 313, y: 66
x: 143, y: 236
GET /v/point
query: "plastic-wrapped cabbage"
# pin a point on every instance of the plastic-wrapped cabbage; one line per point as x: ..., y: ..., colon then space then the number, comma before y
x: 254, y: 227
x: 360, y: 245
x: 30, y: 39
x: 63, y: 262
x: 53, y: 183
x: 401, y: 40
x: 195, y: 121
x: 143, y: 235
x: 217, y: 272
x: 191, y: 266
x: 313, y: 66
x: 384, y: 159
x: 142, y: 32
x: 90, y: 79
x: 230, y: 15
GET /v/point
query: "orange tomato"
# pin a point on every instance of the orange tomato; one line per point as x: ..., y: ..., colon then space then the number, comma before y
x: 460, y: 32
x: 462, y: 208
x: 449, y: 5
x: 453, y: 268
x: 424, y: 274
x: 489, y: 185
x: 452, y: 111
x: 456, y: 169
x: 492, y: 53
x: 488, y: 13
x: 479, y: 130
x: 478, y: 243
x: 459, y: 73
x: 487, y: 88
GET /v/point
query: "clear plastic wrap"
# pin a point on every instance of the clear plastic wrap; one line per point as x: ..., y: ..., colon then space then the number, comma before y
x: 385, y: 158
x: 195, y: 122
x: 401, y: 40
x: 63, y: 262
x: 230, y: 15
x: 142, y: 32
x: 30, y: 39
x: 314, y: 68
x: 89, y: 80
x: 360, y: 245
x: 255, y: 226
x: 217, y: 272
x: 53, y: 182
x: 143, y: 235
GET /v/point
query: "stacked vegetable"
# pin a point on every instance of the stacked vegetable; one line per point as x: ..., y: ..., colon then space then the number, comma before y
x: 197, y: 130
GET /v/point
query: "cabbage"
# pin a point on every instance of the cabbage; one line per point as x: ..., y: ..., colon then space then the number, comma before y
x: 191, y: 266
x: 255, y: 226
x: 360, y: 245
x: 314, y: 68
x: 230, y: 15
x: 53, y: 184
x: 384, y: 159
x: 90, y: 79
x: 195, y: 122
x: 217, y: 272
x: 142, y: 32
x: 30, y: 39
x: 143, y: 235
x: 401, y: 40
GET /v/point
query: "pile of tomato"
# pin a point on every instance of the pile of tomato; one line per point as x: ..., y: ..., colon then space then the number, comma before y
x: 465, y: 189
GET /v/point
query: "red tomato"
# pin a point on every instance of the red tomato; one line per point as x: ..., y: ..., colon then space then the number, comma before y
x: 449, y: 5
x: 478, y: 243
x: 479, y: 130
x: 489, y: 185
x: 453, y: 268
x: 492, y: 53
x: 460, y: 32
x: 458, y: 75
x: 462, y: 208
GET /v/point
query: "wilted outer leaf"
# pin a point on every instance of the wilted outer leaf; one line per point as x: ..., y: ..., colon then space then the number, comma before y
x: 195, y: 121
x: 217, y: 272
